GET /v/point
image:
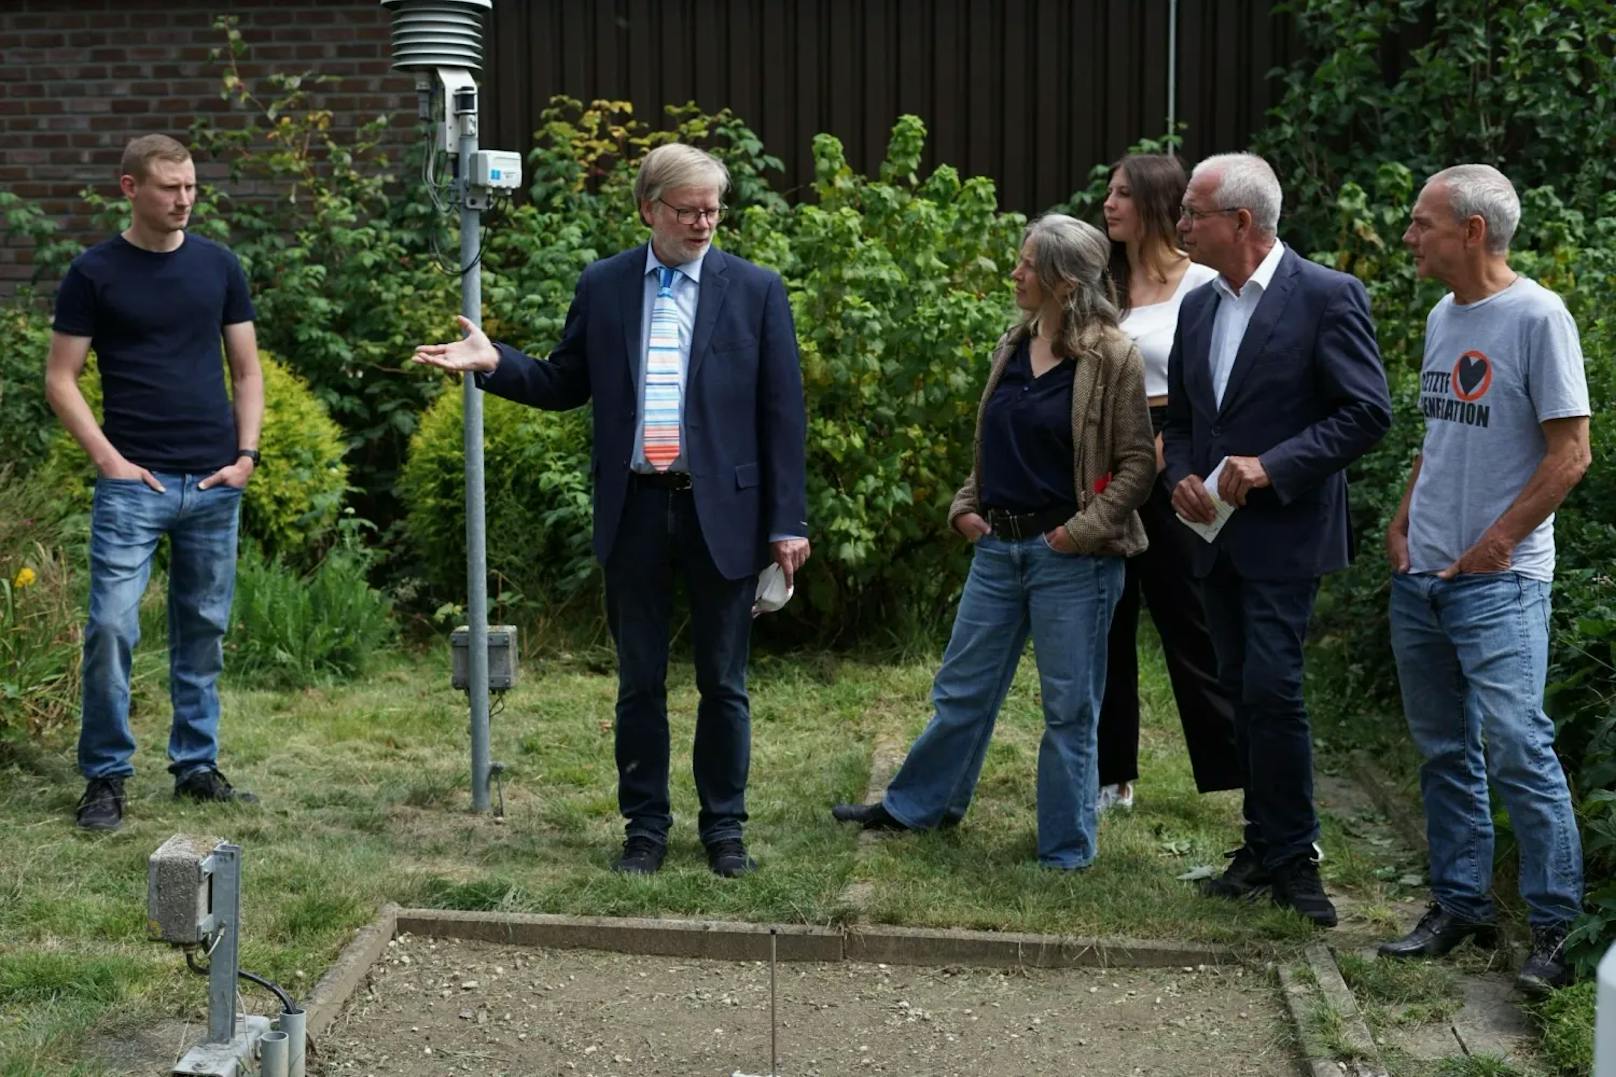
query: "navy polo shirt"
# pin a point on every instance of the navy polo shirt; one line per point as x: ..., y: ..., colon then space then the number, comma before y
x: 154, y: 319
x: 1027, y: 438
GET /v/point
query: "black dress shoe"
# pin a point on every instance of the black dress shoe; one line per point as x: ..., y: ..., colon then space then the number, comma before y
x: 1545, y: 967
x: 1297, y: 886
x: 727, y: 857
x: 1438, y: 932
x: 869, y: 816
x: 1245, y: 877
x: 641, y: 856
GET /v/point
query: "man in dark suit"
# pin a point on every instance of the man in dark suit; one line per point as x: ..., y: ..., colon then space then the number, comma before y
x: 1274, y: 373
x: 690, y: 358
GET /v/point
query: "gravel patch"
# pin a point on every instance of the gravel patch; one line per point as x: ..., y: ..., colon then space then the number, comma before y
x: 435, y: 1006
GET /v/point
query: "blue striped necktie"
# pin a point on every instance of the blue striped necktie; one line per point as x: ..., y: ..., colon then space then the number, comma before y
x: 662, y: 390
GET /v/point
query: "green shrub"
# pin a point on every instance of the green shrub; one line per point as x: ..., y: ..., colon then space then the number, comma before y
x: 537, y: 489
x: 1524, y: 86
x: 295, y: 496
x: 900, y: 288
x: 294, y: 499
x: 291, y: 630
x: 40, y: 612
x: 26, y: 422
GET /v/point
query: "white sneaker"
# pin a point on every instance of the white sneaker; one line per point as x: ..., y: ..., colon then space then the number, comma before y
x: 1119, y: 795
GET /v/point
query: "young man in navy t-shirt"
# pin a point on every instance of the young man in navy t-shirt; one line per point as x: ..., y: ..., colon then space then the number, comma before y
x: 174, y: 452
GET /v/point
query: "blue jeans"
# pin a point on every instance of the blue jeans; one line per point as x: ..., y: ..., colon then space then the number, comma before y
x: 1065, y: 601
x: 1472, y: 654
x: 658, y: 541
x: 126, y: 522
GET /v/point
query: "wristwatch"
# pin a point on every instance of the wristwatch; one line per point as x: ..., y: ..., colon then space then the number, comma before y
x: 251, y: 454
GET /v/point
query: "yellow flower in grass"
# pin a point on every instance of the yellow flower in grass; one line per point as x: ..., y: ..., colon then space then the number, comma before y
x: 25, y: 577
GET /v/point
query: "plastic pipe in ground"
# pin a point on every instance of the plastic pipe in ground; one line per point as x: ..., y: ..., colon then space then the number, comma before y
x: 272, y: 1054
x: 295, y: 1023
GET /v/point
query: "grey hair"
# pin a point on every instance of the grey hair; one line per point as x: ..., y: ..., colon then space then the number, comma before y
x: 1483, y: 191
x: 1246, y: 181
x: 1068, y: 252
x: 677, y: 165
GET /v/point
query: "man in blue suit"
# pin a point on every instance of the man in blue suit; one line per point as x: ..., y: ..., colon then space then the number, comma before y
x: 1274, y: 373
x: 689, y: 356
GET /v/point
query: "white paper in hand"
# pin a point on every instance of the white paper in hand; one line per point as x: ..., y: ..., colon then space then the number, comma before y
x: 772, y: 591
x: 1221, y: 508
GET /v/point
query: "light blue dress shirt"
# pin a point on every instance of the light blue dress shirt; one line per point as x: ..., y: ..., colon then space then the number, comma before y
x: 686, y: 294
x: 1234, y: 315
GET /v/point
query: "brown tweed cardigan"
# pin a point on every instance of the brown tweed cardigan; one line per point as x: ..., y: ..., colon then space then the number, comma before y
x: 1113, y: 448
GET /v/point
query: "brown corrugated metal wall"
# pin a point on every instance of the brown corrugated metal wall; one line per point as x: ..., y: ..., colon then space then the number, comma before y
x: 1030, y: 92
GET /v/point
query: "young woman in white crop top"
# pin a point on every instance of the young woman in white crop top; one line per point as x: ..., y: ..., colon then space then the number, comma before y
x: 1152, y: 277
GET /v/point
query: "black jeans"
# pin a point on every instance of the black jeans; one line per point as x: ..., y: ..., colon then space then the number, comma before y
x: 1258, y: 628
x: 658, y: 541
x: 1206, y: 711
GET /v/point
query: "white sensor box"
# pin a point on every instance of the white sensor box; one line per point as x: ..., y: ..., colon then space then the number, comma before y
x: 500, y: 170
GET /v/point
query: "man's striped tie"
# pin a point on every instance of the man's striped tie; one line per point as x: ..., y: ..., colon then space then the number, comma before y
x: 662, y: 377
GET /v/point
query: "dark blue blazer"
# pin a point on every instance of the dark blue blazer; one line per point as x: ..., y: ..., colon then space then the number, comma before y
x: 1306, y: 396
x: 745, y: 429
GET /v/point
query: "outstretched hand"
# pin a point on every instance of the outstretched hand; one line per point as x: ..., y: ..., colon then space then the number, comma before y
x: 473, y: 354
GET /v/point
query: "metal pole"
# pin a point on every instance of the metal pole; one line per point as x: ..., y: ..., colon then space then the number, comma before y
x: 471, y: 305
x: 774, y: 1024
x: 224, y: 961
x: 1172, y: 68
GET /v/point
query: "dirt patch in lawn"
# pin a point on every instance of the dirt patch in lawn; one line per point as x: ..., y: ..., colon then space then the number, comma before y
x: 451, y: 1007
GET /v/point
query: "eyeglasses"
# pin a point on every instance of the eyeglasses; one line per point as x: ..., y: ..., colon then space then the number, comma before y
x: 685, y: 215
x: 1189, y: 213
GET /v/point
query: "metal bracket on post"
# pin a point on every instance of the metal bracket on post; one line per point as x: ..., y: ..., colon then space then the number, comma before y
x: 232, y: 1039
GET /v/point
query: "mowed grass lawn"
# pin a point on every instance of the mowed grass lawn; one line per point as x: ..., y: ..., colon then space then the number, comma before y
x: 365, y: 800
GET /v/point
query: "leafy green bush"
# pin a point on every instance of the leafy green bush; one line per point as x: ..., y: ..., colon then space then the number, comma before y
x: 26, y: 421
x: 40, y: 613
x: 295, y: 497
x: 900, y: 288
x: 536, y: 467
x: 1524, y: 86
x: 291, y: 630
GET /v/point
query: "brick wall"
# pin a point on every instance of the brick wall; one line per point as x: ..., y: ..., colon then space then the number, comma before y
x: 79, y: 78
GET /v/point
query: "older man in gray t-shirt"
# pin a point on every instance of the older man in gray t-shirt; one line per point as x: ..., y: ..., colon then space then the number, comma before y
x: 1505, y: 404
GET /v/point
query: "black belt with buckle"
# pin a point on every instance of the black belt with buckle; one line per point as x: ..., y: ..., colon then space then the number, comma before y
x: 662, y: 480
x: 1016, y: 526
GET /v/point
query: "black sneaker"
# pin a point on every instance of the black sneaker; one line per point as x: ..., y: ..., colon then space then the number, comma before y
x: 209, y: 785
x: 101, y: 806
x: 641, y: 856
x: 1297, y: 886
x: 1245, y: 877
x: 1545, y: 967
x: 727, y: 857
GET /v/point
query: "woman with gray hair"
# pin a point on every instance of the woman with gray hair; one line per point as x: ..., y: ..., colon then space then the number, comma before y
x: 1064, y: 457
